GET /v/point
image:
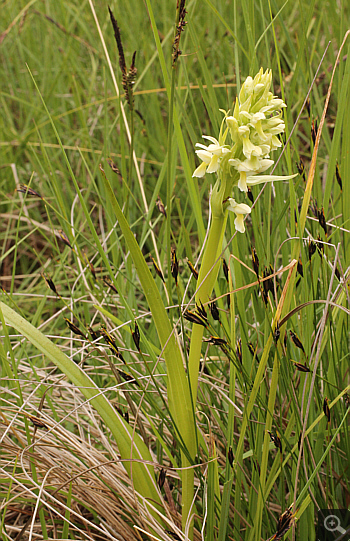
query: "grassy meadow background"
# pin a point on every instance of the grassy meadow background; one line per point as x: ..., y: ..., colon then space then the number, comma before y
x: 63, y: 114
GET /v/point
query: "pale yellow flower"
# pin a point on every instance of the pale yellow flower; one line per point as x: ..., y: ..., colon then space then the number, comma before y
x: 210, y: 156
x: 240, y: 209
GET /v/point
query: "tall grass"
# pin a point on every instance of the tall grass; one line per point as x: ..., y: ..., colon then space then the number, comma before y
x: 92, y: 419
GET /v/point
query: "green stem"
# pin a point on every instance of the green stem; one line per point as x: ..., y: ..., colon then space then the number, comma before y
x: 206, y: 280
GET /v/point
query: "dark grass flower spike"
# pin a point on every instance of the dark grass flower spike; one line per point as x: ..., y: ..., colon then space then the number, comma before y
x: 157, y: 269
x: 128, y: 76
x: 174, y: 265
x: 161, y: 478
x: 114, y: 167
x: 61, y: 234
x: 214, y: 311
x: 225, y: 269
x: 194, y: 317
x: 74, y: 328
x: 301, y: 367
x: 301, y: 169
x: 275, y: 438
x: 136, y: 337
x: 216, y: 341
x: 296, y: 341
x: 230, y: 456
x: 180, y: 27
x: 253, y: 351
x: 50, y: 283
x: 192, y: 269
x: 108, y: 283
x: 160, y: 206
x: 38, y: 423
x: 311, y: 248
x: 128, y: 378
x: 338, y: 176
x: 326, y: 409
x: 201, y: 311
x: 23, y: 188
x: 285, y: 522
x: 314, y: 129
x: 322, y: 220
x: 255, y: 262
x: 239, y: 350
x: 300, y: 268
x: 94, y: 334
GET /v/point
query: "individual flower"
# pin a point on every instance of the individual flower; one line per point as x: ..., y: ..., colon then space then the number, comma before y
x: 210, y: 156
x: 248, y: 168
x: 240, y: 209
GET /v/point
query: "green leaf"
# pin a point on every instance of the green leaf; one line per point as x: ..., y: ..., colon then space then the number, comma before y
x: 130, y: 445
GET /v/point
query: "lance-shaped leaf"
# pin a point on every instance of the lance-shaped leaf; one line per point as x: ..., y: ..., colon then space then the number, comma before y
x: 130, y: 445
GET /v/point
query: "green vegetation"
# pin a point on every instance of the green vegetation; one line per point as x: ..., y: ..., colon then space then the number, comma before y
x: 132, y: 404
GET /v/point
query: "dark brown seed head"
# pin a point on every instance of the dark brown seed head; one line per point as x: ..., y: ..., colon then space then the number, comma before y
x: 161, y: 478
x: 94, y: 334
x: 301, y: 367
x: 299, y: 444
x: 311, y: 248
x: 216, y: 341
x: 194, y: 317
x: 239, y: 350
x: 307, y: 105
x: 180, y: 27
x: 110, y: 341
x: 301, y: 169
x: 300, y: 267
x: 250, y: 196
x: 214, y: 311
x: 174, y: 265
x: 255, y: 261
x: 277, y: 333
x: 74, y: 328
x: 37, y: 422
x: 326, y: 409
x: 173, y: 535
x: 296, y: 341
x: 192, y: 269
x: 110, y: 284
x: 337, y: 273
x: 157, y: 269
x: 320, y: 245
x: 61, y: 234
x: 201, y: 311
x: 225, y: 268
x: 49, y: 283
x: 230, y: 456
x: 322, y: 220
x: 253, y: 351
x: 160, y: 206
x: 275, y: 438
x: 338, y: 177
x: 118, y: 39
x: 136, y: 336
x: 126, y: 377
x: 23, y: 188
x: 92, y: 269
x: 314, y: 130
x: 284, y: 524
x: 114, y: 167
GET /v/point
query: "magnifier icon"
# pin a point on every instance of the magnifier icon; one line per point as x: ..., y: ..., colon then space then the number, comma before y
x: 332, y: 524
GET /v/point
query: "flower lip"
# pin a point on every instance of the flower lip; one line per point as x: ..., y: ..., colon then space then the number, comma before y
x: 240, y: 209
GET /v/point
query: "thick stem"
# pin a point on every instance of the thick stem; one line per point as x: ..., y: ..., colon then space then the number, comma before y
x: 206, y: 281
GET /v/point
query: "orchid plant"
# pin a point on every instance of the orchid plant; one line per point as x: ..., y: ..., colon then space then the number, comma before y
x: 242, y: 152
